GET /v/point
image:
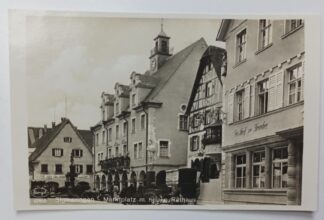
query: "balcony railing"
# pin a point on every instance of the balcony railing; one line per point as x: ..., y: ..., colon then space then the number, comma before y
x: 213, y: 135
x: 119, y: 163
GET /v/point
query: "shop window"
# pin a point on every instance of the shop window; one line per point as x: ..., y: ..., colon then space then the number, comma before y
x: 280, y: 167
x: 265, y: 33
x: 263, y: 97
x: 295, y: 84
x: 258, y: 170
x: 240, y: 171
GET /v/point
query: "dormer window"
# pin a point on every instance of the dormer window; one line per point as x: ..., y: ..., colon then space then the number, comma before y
x: 164, y: 46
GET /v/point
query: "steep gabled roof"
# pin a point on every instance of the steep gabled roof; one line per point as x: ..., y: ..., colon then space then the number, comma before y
x: 213, y: 55
x: 170, y: 67
x: 42, y: 143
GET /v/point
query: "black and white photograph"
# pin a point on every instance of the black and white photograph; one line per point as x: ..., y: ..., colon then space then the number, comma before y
x: 126, y: 112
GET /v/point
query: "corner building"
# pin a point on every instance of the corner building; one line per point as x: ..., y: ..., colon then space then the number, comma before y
x: 264, y: 102
x: 143, y: 130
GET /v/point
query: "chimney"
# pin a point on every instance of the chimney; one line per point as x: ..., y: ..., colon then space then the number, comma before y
x: 53, y: 124
x: 45, y: 128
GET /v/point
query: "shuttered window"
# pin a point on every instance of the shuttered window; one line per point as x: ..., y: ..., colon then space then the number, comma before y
x: 275, y: 92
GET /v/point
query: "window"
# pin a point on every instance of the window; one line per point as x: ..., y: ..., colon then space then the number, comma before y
x: 239, y: 105
x: 183, y: 123
x: 133, y: 125
x: 117, y: 131
x: 110, y: 134
x: 117, y: 108
x: 292, y: 25
x: 140, y: 150
x: 164, y: 148
x: 209, y: 89
x: 97, y: 139
x: 58, y: 168
x: 164, y: 46
x: 116, y: 151
x: 142, y: 121
x: 241, y: 46
x: 109, y: 153
x: 57, y: 152
x: 44, y: 168
x: 258, y: 170
x: 99, y: 157
x: 208, y: 118
x: 77, y: 153
x: 135, y: 151
x: 78, y: 168
x: 67, y: 139
x: 194, y: 143
x: 240, y: 171
x: 103, y: 137
x: 125, y: 129
x: 263, y: 96
x: 196, y: 120
x: 265, y: 33
x: 133, y: 99
x: 295, y: 84
x: 280, y: 167
x: 213, y: 135
x: 89, y: 169
x: 124, y: 149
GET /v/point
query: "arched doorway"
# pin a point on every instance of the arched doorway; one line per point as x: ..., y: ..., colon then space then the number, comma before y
x: 103, y: 183
x: 141, y: 179
x: 124, y: 180
x: 133, y: 179
x: 117, y: 183
x: 161, y: 178
x: 52, y: 186
x: 97, y: 182
x: 110, y: 183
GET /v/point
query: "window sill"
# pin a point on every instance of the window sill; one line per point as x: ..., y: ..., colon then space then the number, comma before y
x: 239, y: 63
x: 268, y: 113
x: 292, y: 31
x: 263, y: 49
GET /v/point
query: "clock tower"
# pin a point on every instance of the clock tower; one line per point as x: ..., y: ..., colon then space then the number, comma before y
x: 160, y: 52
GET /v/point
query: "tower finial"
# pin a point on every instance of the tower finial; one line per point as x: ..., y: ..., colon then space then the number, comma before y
x: 161, y: 24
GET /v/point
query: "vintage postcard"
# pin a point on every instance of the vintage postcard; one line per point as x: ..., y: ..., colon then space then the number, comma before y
x: 114, y: 111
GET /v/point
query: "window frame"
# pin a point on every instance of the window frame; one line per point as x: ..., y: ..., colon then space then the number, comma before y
x: 264, y: 31
x: 240, y: 45
x: 55, y: 150
x: 296, y: 82
x: 43, y: 166
x: 260, y: 164
x: 67, y: 139
x: 243, y: 167
x: 56, y: 170
x: 239, y: 115
x: 182, y: 122
x: 80, y: 154
x: 168, y: 148
x: 265, y: 94
x: 194, y: 141
x: 281, y: 161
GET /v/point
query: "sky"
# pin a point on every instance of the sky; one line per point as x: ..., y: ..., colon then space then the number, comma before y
x: 71, y: 60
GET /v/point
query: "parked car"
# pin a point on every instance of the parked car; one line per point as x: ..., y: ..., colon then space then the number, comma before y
x: 39, y: 192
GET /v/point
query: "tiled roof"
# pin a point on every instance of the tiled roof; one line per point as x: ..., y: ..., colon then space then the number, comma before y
x: 147, y: 81
x: 170, y: 67
x: 34, y: 133
x: 42, y: 143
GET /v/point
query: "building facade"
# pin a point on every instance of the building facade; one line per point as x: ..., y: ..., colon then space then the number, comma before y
x: 51, y: 159
x: 263, y: 101
x: 205, y: 124
x: 145, y: 124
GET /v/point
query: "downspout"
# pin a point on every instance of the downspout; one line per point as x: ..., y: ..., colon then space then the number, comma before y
x: 146, y: 129
x: 94, y: 159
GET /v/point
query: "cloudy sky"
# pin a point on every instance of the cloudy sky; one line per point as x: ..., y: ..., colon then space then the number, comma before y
x: 77, y: 58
